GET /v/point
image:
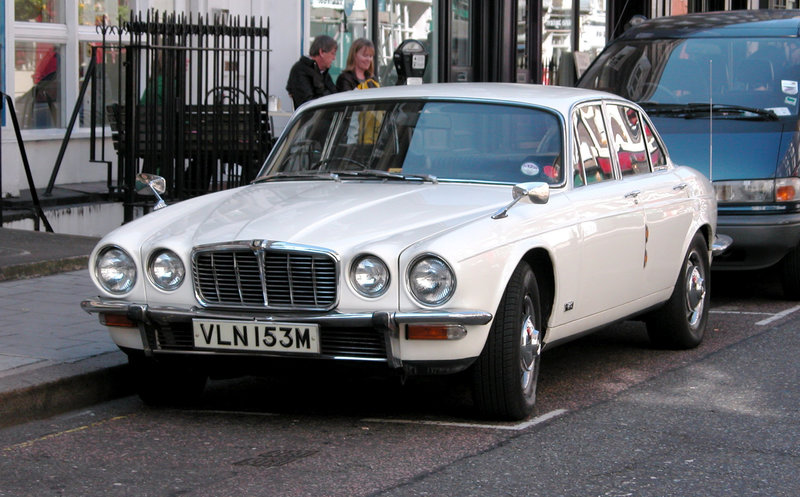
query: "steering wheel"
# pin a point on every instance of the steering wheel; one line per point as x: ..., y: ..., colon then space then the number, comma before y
x: 660, y: 93
x: 319, y: 165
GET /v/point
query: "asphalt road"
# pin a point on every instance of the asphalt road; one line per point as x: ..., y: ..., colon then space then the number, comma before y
x: 614, y: 418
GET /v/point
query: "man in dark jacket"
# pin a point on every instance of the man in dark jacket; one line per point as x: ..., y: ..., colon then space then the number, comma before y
x: 309, y: 78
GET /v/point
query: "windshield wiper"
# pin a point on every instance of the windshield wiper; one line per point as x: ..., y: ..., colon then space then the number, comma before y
x: 298, y: 175
x: 699, y: 109
x: 376, y: 173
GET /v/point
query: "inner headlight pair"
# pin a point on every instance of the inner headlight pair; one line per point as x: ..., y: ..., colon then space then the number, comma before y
x: 115, y: 269
x: 758, y: 191
x: 430, y: 279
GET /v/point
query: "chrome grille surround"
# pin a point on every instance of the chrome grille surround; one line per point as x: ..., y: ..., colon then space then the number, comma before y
x: 265, y: 275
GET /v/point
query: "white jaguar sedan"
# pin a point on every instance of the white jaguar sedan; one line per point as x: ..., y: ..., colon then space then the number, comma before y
x: 422, y: 230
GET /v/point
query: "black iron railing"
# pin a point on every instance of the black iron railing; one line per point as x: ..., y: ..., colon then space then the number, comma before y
x: 191, y: 102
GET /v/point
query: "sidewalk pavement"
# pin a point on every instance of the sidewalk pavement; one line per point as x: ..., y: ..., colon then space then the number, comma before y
x: 54, y: 357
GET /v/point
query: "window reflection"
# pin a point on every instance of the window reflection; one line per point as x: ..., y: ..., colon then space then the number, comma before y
x: 48, y: 11
x: 106, y: 91
x: 556, y: 37
x: 461, y: 43
x: 38, y: 84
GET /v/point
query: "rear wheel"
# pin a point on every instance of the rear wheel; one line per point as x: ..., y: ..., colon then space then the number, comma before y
x: 160, y: 384
x: 506, y: 373
x: 681, y: 322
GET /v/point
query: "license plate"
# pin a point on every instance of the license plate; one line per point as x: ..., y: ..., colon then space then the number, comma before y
x: 256, y: 336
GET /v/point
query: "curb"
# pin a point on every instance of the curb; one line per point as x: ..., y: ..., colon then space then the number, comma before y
x: 39, y: 393
x: 43, y: 268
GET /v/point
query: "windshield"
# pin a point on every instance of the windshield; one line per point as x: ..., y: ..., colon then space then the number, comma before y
x: 457, y: 141
x: 757, y: 73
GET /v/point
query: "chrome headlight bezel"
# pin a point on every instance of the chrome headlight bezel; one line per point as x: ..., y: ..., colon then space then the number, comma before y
x: 430, y: 280
x: 115, y: 270
x: 369, y: 276
x: 166, y: 269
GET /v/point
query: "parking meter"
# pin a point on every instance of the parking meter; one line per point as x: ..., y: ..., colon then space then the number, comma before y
x: 410, y: 60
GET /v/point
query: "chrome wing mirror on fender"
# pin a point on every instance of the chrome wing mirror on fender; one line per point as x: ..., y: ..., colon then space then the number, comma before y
x: 536, y: 193
x: 151, y: 184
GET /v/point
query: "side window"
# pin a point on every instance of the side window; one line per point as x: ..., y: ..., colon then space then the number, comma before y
x: 626, y: 131
x: 657, y: 156
x: 594, y: 158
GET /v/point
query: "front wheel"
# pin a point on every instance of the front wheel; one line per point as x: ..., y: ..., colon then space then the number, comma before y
x: 506, y: 373
x: 681, y: 322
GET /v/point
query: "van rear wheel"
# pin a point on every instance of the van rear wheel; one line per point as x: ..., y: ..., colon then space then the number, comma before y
x: 790, y: 274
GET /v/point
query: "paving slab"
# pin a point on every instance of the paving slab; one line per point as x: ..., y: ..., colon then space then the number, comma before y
x: 54, y: 356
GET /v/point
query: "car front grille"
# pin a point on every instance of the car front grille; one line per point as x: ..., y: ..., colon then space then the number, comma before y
x: 265, y: 276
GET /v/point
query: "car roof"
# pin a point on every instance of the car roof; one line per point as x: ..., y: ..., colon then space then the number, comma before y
x: 556, y: 97
x: 766, y: 22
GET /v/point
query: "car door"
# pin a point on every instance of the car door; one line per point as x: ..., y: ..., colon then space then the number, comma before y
x: 610, y: 221
x: 659, y: 191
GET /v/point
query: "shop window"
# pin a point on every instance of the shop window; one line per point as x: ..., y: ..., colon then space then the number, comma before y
x: 398, y: 21
x: 92, y: 13
x: 348, y: 20
x: 344, y: 21
x: 43, y: 70
x: 38, y: 76
x: 39, y: 11
x: 556, y: 39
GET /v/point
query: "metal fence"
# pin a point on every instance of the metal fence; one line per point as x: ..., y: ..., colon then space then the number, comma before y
x: 191, y: 102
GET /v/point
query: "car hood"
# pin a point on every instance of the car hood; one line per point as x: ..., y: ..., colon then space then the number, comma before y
x: 334, y: 215
x: 741, y: 149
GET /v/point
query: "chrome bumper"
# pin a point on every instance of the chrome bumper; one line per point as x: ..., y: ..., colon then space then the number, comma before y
x: 142, y: 312
x: 721, y: 244
x: 385, y: 322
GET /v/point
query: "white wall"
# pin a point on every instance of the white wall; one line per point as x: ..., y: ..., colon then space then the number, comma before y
x: 42, y: 154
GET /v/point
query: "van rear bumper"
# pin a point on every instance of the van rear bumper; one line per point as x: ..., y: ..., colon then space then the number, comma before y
x: 759, y: 240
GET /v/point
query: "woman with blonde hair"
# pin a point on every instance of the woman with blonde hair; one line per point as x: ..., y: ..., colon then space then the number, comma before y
x: 360, y: 70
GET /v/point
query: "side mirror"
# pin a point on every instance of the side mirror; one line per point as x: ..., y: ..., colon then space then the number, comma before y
x: 536, y: 193
x: 152, y: 184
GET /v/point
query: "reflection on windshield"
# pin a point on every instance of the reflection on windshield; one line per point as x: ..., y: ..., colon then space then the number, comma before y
x: 760, y: 73
x: 413, y: 139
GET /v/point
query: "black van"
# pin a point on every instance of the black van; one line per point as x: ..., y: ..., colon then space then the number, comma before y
x: 723, y: 89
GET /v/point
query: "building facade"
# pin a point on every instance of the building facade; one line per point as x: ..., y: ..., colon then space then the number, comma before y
x: 46, y: 47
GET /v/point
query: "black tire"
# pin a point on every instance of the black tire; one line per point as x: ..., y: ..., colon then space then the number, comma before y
x: 681, y: 322
x: 161, y: 385
x: 790, y: 274
x: 505, y: 375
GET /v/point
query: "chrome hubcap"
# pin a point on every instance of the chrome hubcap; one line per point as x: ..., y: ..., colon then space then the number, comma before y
x: 695, y: 294
x: 530, y: 348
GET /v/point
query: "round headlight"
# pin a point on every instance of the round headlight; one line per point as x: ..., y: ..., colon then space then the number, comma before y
x: 431, y: 280
x: 115, y: 270
x: 166, y: 270
x: 370, y: 276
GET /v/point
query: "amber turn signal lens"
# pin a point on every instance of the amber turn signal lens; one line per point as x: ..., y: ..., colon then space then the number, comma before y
x: 784, y: 193
x: 435, y: 332
x: 116, y: 320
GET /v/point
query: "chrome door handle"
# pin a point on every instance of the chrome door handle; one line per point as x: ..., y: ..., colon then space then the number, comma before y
x: 680, y: 187
x: 633, y: 194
